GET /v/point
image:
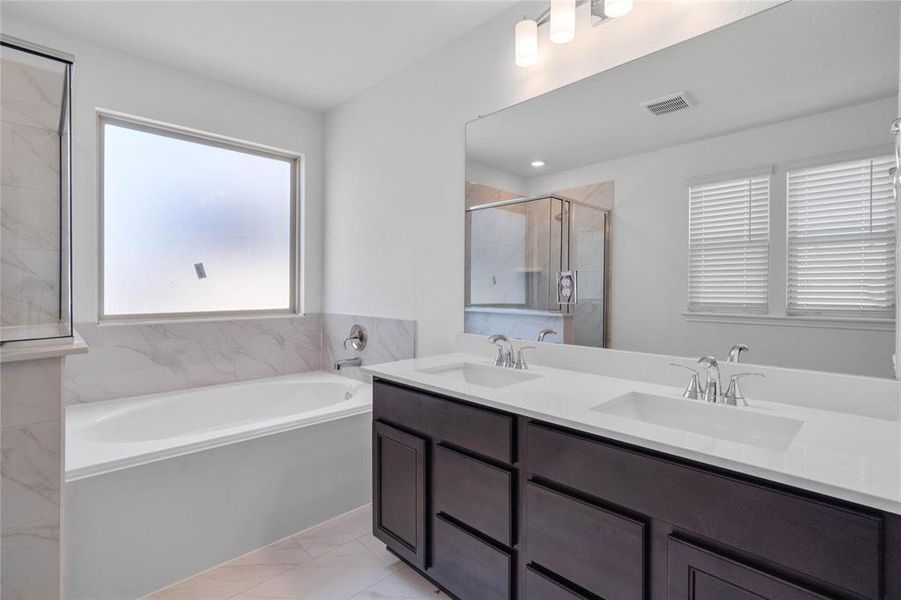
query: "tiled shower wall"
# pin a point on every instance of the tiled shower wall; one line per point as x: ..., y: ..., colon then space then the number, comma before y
x: 30, y: 176
x: 135, y: 359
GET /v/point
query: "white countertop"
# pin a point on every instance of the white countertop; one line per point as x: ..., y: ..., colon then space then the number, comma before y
x: 847, y: 456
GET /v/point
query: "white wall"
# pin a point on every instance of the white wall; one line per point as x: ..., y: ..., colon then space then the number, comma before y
x: 111, y: 80
x: 649, y: 257
x: 394, y: 239
x: 477, y: 172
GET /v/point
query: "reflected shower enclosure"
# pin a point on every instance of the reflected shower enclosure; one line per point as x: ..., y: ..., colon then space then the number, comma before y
x: 35, y: 265
x: 519, y: 255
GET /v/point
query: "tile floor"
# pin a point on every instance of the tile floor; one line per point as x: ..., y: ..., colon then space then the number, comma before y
x: 337, y: 560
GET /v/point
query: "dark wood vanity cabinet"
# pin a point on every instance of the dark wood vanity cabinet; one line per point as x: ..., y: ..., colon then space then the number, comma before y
x: 494, y: 506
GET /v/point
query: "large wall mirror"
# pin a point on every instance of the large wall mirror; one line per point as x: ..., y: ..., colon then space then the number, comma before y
x: 732, y: 190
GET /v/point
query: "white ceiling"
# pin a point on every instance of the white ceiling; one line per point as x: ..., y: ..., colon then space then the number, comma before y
x: 796, y: 59
x: 313, y: 53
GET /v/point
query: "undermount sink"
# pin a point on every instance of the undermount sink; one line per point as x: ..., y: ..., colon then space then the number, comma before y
x: 722, y: 422
x: 483, y: 375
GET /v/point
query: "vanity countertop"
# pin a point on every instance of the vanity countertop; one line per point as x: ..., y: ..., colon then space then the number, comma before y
x: 845, y: 456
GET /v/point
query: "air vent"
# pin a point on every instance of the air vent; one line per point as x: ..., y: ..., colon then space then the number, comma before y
x: 668, y: 104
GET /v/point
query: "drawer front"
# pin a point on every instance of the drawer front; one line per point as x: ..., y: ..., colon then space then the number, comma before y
x: 694, y: 573
x: 836, y: 545
x: 480, y: 430
x: 596, y: 549
x: 541, y: 587
x: 473, y: 492
x: 468, y: 567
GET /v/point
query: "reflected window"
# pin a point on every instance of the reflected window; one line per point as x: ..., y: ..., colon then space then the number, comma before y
x: 728, y: 245
x: 193, y: 225
x: 841, y: 239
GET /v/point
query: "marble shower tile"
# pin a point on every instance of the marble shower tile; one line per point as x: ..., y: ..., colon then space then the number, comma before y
x: 29, y: 218
x: 30, y: 473
x: 30, y: 561
x: 30, y: 392
x: 31, y: 95
x: 30, y: 283
x: 29, y: 157
x: 389, y: 339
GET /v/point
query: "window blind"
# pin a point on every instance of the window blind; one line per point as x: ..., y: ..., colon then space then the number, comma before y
x: 841, y: 239
x: 728, y: 245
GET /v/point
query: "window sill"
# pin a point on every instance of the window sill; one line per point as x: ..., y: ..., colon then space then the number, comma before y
x: 204, y: 318
x: 792, y: 321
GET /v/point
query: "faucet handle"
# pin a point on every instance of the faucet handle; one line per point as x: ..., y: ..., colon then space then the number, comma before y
x: 693, y: 389
x: 520, y: 363
x: 734, y: 396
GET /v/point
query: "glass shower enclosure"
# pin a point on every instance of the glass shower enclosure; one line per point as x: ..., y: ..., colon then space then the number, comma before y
x: 35, y: 265
x: 536, y: 264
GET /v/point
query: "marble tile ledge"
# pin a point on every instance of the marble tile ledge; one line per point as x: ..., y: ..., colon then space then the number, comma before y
x: 38, y: 349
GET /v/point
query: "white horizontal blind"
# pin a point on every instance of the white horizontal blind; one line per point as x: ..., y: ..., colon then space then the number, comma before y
x: 841, y: 239
x: 728, y: 245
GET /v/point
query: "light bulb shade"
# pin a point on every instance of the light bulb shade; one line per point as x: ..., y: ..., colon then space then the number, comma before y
x: 526, y: 43
x: 617, y: 8
x: 563, y: 21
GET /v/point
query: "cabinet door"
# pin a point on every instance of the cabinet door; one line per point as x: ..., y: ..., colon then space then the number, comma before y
x: 694, y: 573
x: 398, y: 492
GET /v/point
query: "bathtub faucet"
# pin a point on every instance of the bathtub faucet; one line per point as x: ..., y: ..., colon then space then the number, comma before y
x: 348, y: 362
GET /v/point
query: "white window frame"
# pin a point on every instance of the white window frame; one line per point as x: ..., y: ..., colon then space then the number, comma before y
x: 851, y: 320
x: 298, y: 171
x: 702, y: 312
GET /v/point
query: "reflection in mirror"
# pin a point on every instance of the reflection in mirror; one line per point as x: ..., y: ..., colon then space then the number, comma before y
x: 733, y: 189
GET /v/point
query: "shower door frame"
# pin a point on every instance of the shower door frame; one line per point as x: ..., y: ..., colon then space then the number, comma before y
x: 565, y: 236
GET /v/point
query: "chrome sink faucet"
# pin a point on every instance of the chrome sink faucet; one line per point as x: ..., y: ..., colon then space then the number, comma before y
x: 735, y: 352
x: 713, y: 385
x: 504, y: 356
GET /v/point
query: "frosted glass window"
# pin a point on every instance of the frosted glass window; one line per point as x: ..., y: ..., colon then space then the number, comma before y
x: 194, y: 226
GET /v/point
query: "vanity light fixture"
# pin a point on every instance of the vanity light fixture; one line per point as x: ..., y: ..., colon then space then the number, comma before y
x: 562, y: 19
x: 526, y: 43
x: 537, y: 163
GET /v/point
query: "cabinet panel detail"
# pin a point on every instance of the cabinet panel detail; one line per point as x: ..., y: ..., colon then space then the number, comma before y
x: 468, y: 567
x: 837, y: 545
x: 541, y: 587
x: 473, y: 492
x: 480, y: 430
x: 398, y: 482
x: 594, y: 548
x: 694, y: 573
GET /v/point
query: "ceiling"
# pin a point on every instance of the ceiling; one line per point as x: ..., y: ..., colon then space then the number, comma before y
x: 796, y: 59
x: 316, y: 54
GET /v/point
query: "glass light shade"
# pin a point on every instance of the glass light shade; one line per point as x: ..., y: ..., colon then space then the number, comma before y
x: 617, y: 8
x: 526, y: 43
x: 563, y: 21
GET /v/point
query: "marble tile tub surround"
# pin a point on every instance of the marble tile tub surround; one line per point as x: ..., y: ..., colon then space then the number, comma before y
x: 130, y: 359
x: 30, y: 478
x: 389, y: 339
x: 853, y: 394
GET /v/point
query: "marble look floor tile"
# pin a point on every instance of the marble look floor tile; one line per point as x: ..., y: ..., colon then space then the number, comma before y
x: 286, y: 552
x: 336, y: 575
x: 335, y: 533
x: 404, y: 584
x: 219, y: 583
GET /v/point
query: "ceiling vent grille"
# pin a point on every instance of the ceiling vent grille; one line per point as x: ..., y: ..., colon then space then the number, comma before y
x: 668, y: 104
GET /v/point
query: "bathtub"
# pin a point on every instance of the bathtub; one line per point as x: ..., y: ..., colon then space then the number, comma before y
x: 162, y: 486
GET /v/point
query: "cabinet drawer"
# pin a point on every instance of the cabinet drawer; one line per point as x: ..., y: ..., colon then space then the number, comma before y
x: 832, y: 543
x: 481, y: 430
x: 694, y: 573
x: 540, y: 587
x: 473, y: 492
x: 596, y: 549
x: 468, y: 567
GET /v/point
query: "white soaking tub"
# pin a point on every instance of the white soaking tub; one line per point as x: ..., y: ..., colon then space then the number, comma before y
x: 162, y: 486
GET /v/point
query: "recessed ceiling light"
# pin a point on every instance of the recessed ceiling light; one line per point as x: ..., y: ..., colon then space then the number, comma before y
x: 537, y: 163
